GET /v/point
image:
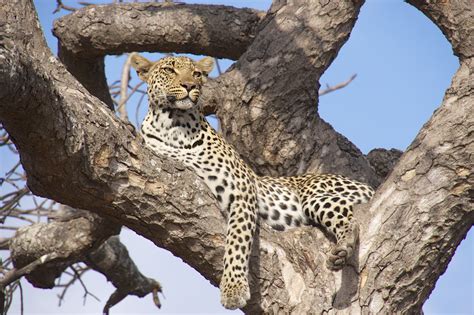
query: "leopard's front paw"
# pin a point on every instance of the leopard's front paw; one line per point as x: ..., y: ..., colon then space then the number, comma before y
x: 343, y: 251
x: 339, y: 256
x: 234, y: 294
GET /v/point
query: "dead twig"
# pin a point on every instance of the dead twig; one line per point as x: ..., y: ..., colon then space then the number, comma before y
x: 125, y: 79
x: 4, y: 244
x: 11, y: 277
x: 219, y: 71
x: 11, y: 203
x: 137, y: 109
x: 16, y: 274
x: 135, y: 89
x: 86, y: 291
x: 77, y: 272
x: 61, y: 6
x: 341, y: 85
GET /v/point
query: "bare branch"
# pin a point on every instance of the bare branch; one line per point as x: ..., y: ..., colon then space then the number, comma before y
x: 4, y: 243
x: 61, y: 6
x: 137, y: 109
x: 86, y: 291
x: 341, y: 85
x: 16, y: 274
x: 135, y: 89
x: 12, y: 202
x: 74, y: 277
x: 121, y: 108
x: 113, y: 261
x: 21, y: 298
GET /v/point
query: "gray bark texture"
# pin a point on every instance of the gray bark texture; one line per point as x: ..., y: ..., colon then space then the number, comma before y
x: 77, y: 152
x: 383, y: 160
x: 69, y: 240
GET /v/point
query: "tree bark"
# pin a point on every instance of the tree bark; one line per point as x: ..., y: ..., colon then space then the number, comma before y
x: 271, y: 115
x: 78, y: 236
x: 80, y: 154
x: 383, y: 161
x: 217, y: 30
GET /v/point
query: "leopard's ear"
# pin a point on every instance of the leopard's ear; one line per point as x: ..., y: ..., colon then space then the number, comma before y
x: 206, y: 64
x: 141, y: 65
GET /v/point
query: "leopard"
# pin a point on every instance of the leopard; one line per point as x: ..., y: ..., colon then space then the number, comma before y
x: 176, y: 128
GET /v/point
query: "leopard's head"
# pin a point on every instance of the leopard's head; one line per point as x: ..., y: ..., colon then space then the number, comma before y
x: 173, y: 82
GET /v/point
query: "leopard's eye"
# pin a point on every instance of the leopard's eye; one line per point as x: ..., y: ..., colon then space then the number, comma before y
x: 197, y: 74
x: 168, y: 70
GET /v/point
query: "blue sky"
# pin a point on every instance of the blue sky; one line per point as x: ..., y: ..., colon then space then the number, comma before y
x: 403, y: 65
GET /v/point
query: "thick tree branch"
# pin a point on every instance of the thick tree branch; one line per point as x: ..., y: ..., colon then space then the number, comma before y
x: 426, y: 203
x: 90, y: 71
x: 99, y: 30
x: 67, y: 241
x: 423, y: 210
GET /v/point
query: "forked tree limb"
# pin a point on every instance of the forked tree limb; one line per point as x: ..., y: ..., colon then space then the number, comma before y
x: 80, y: 154
x: 269, y: 111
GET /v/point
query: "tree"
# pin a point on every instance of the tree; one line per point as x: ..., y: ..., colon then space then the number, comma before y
x: 75, y: 151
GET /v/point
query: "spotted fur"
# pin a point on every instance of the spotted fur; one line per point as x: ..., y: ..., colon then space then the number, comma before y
x: 175, y: 127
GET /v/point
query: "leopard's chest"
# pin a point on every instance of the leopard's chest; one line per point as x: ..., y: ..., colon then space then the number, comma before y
x: 211, y: 159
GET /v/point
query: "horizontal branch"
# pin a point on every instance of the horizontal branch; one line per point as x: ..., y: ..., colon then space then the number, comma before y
x: 78, y: 236
x: 213, y: 30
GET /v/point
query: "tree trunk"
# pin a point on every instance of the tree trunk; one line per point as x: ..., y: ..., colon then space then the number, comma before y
x: 77, y: 152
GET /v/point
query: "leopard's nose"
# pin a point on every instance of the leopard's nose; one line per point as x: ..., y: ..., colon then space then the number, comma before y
x: 188, y: 86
